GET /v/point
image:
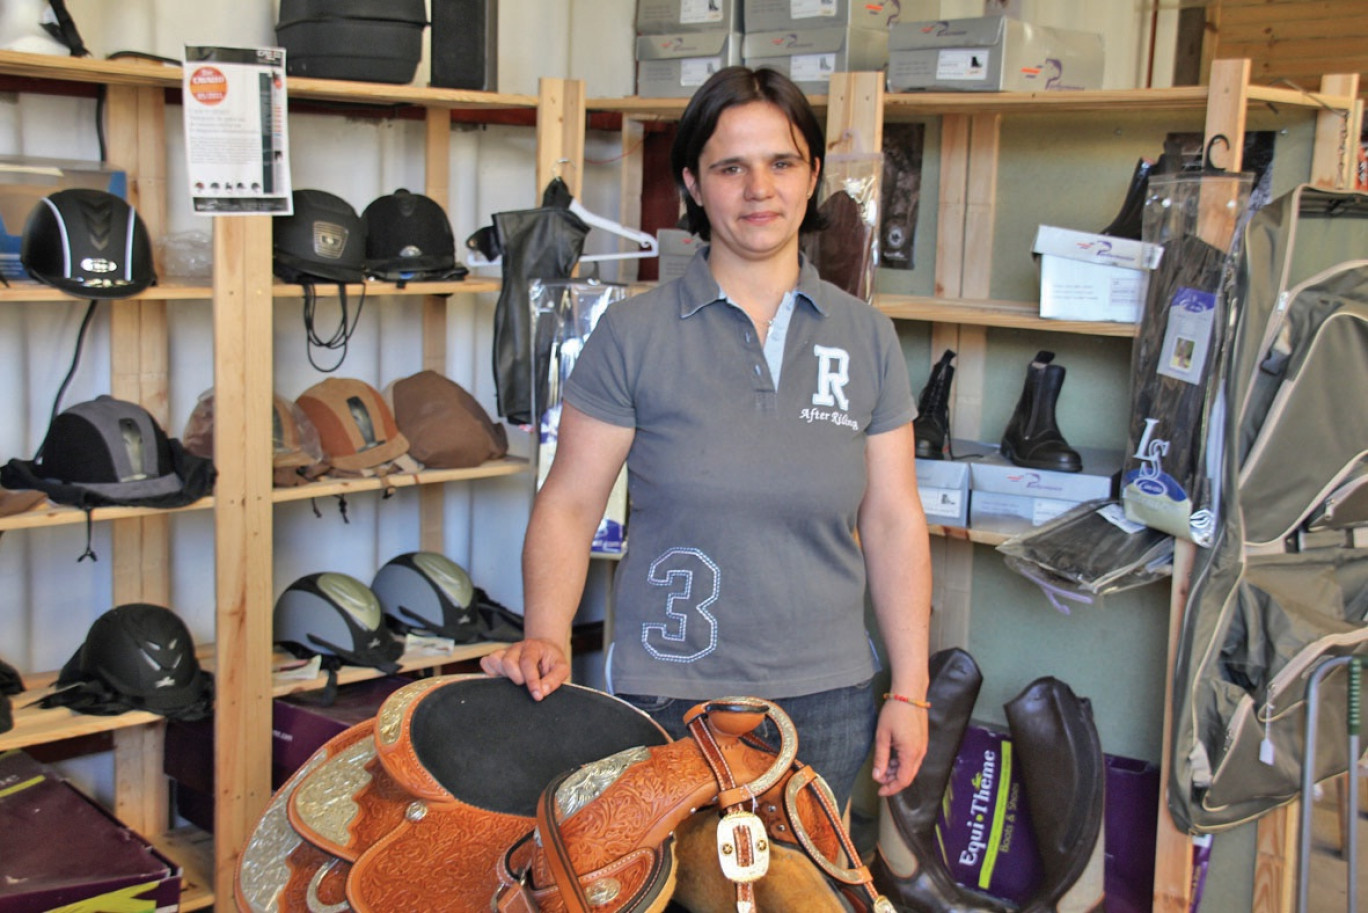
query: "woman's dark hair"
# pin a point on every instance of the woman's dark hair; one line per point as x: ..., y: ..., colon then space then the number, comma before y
x: 727, y: 88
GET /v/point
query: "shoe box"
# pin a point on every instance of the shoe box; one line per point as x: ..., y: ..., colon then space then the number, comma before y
x: 61, y: 851
x: 799, y: 15
x: 809, y: 56
x: 675, y: 65
x: 1008, y: 498
x: 677, y: 248
x: 992, y: 54
x: 1084, y: 276
x: 300, y: 724
x: 669, y: 17
x: 985, y: 832
x: 944, y: 489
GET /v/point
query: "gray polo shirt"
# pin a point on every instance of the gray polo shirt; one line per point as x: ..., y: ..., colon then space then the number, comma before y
x: 742, y: 574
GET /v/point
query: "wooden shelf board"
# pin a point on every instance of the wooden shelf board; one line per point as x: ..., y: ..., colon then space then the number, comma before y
x: 407, y: 663
x: 493, y: 469
x: 20, y: 290
x: 1024, y: 315
x: 469, y: 286
x: 133, y: 72
x: 36, y: 726
x: 906, y: 105
x: 60, y: 515
x: 978, y: 536
x: 193, y: 850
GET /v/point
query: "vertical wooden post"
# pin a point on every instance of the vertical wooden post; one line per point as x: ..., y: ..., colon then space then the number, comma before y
x: 138, y: 364
x: 560, y: 133
x: 1334, y: 151
x: 630, y: 179
x: 243, y: 536
x: 437, y: 185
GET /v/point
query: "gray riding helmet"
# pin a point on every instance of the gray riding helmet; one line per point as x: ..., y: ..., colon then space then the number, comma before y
x: 428, y: 593
x: 336, y: 615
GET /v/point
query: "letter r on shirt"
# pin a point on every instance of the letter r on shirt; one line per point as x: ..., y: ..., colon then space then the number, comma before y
x: 833, y: 373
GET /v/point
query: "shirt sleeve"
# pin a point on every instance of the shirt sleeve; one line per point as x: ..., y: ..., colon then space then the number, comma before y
x: 895, y: 406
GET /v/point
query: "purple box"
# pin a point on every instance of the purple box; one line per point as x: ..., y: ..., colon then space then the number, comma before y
x: 299, y: 727
x: 985, y: 827
x: 62, y: 849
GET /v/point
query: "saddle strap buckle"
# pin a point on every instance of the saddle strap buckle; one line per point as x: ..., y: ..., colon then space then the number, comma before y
x: 743, y: 848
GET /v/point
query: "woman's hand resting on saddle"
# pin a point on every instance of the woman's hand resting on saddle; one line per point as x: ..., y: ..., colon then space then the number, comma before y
x: 539, y: 664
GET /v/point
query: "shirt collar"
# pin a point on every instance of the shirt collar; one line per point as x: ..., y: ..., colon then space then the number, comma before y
x: 697, y: 287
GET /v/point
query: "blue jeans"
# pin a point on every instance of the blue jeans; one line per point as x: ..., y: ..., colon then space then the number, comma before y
x: 835, y: 729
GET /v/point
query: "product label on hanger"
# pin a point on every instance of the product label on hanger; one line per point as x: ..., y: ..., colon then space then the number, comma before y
x: 1187, y: 337
x: 812, y: 67
x: 236, y: 146
x: 694, y: 12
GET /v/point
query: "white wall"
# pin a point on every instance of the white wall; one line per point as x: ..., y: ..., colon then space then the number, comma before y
x: 48, y: 598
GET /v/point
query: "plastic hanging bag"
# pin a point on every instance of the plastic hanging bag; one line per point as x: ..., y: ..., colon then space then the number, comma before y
x: 1092, y: 549
x: 1169, y: 479
x: 846, y: 251
x: 564, y: 313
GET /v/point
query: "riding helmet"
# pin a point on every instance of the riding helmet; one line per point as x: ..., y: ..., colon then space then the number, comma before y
x: 408, y: 237
x: 430, y: 593
x: 335, y: 614
x: 88, y: 243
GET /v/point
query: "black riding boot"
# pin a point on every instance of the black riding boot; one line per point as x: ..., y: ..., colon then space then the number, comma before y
x: 908, y: 868
x: 1127, y: 223
x: 932, y: 424
x: 1032, y: 438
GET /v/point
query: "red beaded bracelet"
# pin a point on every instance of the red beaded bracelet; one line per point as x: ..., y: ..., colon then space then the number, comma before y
x: 890, y: 696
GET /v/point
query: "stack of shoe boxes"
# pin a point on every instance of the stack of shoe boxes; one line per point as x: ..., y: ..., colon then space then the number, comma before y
x: 680, y: 43
x: 808, y: 40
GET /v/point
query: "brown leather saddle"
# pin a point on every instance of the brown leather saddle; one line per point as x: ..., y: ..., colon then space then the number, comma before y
x: 464, y: 794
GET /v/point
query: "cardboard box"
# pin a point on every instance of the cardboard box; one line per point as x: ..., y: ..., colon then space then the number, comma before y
x: 677, y: 248
x: 776, y: 15
x: 990, y: 54
x: 993, y: 472
x: 1085, y: 276
x: 995, y: 851
x: 673, y: 66
x: 944, y: 489
x: 667, y: 17
x: 299, y: 727
x: 993, y: 512
x: 61, y: 850
x: 25, y: 180
x: 809, y: 56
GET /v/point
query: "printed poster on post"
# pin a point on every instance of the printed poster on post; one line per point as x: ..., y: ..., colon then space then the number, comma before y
x: 236, y: 139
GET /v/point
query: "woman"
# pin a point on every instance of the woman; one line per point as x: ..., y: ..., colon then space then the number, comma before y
x: 765, y: 418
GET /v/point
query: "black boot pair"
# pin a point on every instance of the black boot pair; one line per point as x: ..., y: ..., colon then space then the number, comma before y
x: 1060, y: 756
x: 1032, y: 438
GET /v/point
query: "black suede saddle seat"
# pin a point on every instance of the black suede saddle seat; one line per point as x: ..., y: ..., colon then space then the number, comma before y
x: 490, y: 745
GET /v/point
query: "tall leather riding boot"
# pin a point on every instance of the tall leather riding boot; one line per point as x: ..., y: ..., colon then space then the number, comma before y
x: 931, y: 427
x: 908, y: 868
x: 1032, y: 438
x: 1063, y: 775
x: 1128, y: 221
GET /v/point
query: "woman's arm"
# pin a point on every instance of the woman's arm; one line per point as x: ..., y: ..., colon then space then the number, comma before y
x: 897, y: 553
x: 565, y: 515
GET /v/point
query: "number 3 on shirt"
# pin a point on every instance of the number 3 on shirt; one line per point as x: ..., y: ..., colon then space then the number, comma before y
x: 690, y: 581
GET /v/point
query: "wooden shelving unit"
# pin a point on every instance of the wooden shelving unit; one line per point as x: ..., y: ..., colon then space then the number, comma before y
x: 242, y: 295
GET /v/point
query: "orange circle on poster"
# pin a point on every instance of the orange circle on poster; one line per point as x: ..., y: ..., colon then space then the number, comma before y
x: 208, y: 85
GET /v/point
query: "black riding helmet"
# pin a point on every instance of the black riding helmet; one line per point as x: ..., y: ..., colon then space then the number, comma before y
x: 428, y: 592
x: 324, y: 239
x: 136, y: 656
x: 88, y: 243
x: 408, y: 238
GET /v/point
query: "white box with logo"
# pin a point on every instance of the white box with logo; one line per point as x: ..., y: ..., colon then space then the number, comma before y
x: 810, y: 56
x: 993, y: 472
x: 992, y: 54
x: 1084, y: 276
x: 774, y: 15
x: 667, y: 17
x: 674, y: 66
x: 993, y: 512
x: 944, y: 489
